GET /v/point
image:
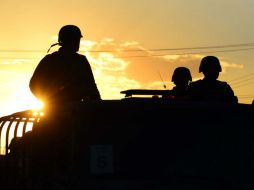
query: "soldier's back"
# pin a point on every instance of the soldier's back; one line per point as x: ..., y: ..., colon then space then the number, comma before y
x: 215, y: 90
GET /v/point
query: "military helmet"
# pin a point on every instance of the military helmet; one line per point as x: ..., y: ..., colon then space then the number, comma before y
x: 210, y: 62
x: 69, y: 32
x: 181, y: 73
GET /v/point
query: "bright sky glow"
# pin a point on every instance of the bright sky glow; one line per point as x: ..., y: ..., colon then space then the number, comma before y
x: 114, y: 26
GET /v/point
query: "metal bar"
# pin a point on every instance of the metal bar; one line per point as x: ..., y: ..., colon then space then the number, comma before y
x: 7, y: 136
x: 16, y: 127
x: 1, y: 127
x: 24, y: 127
x: 19, y: 118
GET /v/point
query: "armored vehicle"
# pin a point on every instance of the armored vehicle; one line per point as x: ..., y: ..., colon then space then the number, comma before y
x: 132, y: 143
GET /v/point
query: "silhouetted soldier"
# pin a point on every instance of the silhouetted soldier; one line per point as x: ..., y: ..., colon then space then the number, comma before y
x: 181, y: 78
x: 61, y: 77
x: 209, y: 88
x: 64, y: 75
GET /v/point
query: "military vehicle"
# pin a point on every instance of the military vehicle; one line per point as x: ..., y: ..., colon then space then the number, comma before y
x: 133, y: 143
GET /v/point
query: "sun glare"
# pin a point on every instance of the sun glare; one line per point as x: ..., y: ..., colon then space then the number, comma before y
x: 26, y: 101
x: 37, y: 105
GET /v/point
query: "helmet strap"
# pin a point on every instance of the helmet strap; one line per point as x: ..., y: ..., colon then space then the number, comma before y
x: 53, y: 46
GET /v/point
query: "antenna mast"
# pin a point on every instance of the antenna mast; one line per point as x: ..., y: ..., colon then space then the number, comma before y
x: 164, y: 85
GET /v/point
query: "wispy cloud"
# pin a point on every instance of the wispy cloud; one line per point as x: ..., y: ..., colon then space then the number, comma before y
x: 225, y: 65
x: 109, y: 70
x: 16, y: 61
x: 125, y: 65
x: 117, y: 66
x: 128, y: 44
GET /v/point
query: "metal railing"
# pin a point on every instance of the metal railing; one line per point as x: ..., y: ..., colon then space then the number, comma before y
x: 16, y: 125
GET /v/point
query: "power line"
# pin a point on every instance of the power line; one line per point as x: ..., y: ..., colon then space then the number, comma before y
x: 156, y: 55
x: 243, y: 80
x: 247, y: 97
x: 20, y: 51
x: 184, y: 48
x: 140, y: 50
x: 186, y: 53
x: 241, y: 77
x: 244, y: 84
x: 162, y: 55
x: 204, y: 47
x: 20, y: 58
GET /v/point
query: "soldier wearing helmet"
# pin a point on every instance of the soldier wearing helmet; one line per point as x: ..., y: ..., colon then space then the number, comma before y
x: 181, y: 78
x: 64, y: 75
x: 209, y: 88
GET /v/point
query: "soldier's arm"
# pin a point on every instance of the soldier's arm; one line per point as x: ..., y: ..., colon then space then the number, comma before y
x: 39, y: 78
x: 230, y: 94
x: 42, y: 83
x: 93, y: 90
x: 88, y: 86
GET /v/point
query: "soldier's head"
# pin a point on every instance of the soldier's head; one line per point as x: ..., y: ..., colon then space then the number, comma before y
x: 69, y: 37
x: 210, y: 67
x: 181, y: 76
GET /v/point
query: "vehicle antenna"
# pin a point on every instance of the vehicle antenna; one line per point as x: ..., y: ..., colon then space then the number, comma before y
x: 164, y: 85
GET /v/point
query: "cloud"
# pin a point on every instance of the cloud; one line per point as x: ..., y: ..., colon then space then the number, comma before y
x: 171, y: 57
x: 128, y: 44
x: 16, y: 61
x: 108, y: 68
x: 225, y: 65
x: 18, y: 66
x: 108, y: 62
x: 128, y: 65
x: 117, y: 66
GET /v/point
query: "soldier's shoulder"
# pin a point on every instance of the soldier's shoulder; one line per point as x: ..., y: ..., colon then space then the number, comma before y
x: 55, y: 53
x: 196, y: 83
x: 222, y: 83
x: 51, y: 56
x: 47, y: 58
x: 81, y: 57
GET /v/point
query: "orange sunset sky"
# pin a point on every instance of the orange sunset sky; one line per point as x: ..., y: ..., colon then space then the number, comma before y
x: 165, y: 34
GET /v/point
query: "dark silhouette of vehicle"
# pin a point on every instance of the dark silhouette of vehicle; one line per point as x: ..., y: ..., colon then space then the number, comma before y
x: 133, y: 143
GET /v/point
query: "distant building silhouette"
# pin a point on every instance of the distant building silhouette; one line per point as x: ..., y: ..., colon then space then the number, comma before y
x: 209, y: 88
x: 64, y: 75
x: 181, y: 78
